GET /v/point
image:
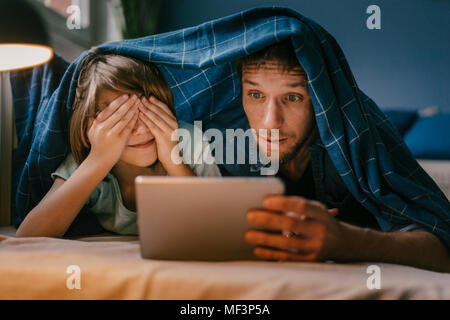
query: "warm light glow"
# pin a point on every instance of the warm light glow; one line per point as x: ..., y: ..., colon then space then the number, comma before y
x: 21, y: 56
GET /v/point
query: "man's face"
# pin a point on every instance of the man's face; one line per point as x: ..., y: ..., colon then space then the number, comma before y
x: 277, y: 99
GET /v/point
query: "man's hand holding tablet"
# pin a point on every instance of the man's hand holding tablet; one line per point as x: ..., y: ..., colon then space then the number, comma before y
x: 309, y: 231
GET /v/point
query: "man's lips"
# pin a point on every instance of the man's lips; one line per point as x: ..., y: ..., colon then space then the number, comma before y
x: 274, y: 141
x: 143, y: 144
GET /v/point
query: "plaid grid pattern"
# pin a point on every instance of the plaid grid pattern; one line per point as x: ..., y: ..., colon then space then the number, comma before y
x: 367, y: 151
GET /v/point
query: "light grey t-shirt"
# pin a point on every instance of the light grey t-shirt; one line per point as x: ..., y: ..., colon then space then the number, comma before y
x: 106, y: 200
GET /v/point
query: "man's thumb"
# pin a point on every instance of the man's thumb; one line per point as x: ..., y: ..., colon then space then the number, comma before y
x: 333, y: 211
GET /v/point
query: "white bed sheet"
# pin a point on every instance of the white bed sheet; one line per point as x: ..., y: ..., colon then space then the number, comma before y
x: 112, y: 268
x: 439, y: 171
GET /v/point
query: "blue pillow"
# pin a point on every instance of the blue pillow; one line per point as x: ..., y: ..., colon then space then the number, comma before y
x: 402, y: 120
x: 429, y: 137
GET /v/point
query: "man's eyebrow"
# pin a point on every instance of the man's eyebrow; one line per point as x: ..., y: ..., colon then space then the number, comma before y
x: 297, y: 84
x: 250, y: 82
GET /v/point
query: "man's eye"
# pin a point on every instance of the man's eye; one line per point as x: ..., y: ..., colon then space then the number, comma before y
x: 255, y: 95
x: 293, y: 98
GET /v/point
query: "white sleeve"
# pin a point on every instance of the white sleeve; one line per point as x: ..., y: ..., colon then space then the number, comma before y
x: 66, y: 168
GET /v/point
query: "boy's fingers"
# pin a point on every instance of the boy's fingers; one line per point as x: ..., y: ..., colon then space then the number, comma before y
x: 130, y: 125
x: 162, y: 106
x: 125, y: 120
x: 150, y: 124
x: 90, y: 123
x: 156, y: 118
x: 164, y: 114
x: 120, y: 113
x: 111, y: 108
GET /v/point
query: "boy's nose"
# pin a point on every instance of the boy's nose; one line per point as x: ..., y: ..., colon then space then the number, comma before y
x: 140, y: 128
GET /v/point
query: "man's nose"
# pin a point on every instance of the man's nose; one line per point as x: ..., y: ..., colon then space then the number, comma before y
x: 140, y: 128
x: 273, y: 115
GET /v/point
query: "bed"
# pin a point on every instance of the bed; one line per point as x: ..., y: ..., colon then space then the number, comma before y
x: 439, y: 170
x: 111, y: 268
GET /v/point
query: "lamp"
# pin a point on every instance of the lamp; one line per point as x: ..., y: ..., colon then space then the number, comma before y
x: 23, y: 44
x: 23, y: 38
x: 16, y: 56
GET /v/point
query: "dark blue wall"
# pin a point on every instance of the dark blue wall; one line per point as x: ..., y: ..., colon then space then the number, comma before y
x: 405, y: 64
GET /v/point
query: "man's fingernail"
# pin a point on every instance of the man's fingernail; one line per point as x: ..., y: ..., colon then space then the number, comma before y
x: 251, y: 215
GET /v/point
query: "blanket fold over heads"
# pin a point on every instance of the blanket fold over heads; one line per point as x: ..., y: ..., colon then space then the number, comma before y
x: 198, y: 63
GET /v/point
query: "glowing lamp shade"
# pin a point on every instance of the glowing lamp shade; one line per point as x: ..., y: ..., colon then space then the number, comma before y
x: 24, y: 42
x: 21, y: 56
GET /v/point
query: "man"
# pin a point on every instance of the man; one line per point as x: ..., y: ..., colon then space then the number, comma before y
x: 275, y: 95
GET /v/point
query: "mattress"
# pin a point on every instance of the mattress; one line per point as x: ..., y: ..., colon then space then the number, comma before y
x: 112, y: 268
x: 439, y: 171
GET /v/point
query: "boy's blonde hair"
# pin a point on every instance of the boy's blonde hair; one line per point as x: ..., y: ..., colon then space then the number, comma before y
x: 114, y: 72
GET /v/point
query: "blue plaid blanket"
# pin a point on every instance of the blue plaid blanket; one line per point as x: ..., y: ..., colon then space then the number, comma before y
x: 367, y: 151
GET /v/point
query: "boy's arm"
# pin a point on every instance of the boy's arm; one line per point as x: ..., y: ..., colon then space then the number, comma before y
x: 57, y: 210
x: 108, y: 136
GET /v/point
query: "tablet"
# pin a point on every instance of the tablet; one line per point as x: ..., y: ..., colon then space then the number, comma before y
x: 198, y: 218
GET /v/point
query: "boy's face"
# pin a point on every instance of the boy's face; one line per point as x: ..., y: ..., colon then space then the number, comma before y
x: 141, y: 149
x: 277, y: 99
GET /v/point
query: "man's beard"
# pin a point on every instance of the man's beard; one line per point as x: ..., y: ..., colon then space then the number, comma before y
x: 297, y: 148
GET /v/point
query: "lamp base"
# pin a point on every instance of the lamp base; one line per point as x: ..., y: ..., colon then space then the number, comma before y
x: 6, y: 147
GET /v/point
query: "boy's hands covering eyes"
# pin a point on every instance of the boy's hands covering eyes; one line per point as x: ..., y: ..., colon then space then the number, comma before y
x: 162, y: 123
x: 109, y: 132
